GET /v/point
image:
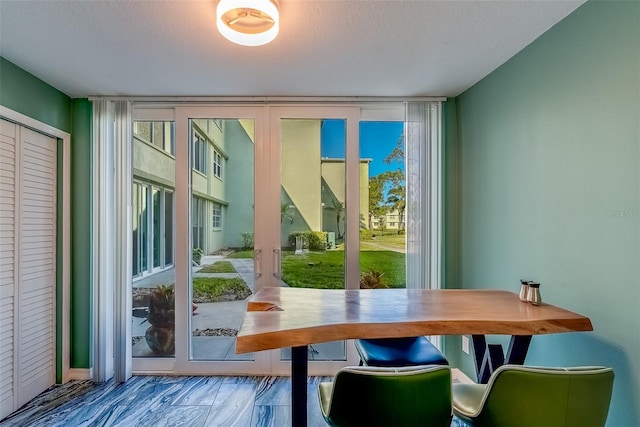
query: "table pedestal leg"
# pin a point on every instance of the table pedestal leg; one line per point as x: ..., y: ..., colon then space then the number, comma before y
x: 518, y: 347
x: 489, y: 357
x: 299, y: 373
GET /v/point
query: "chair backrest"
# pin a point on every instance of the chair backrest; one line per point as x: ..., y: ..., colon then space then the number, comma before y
x: 412, y: 396
x: 550, y: 397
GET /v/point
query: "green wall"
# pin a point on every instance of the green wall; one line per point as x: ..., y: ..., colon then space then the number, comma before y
x: 238, y: 216
x: 28, y: 95
x: 549, y: 188
x: 81, y: 234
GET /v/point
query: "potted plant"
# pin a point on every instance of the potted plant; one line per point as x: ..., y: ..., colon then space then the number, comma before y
x: 372, y: 280
x: 160, y: 336
x: 196, y: 255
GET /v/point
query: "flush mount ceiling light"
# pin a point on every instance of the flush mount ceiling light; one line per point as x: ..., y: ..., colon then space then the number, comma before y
x: 248, y: 22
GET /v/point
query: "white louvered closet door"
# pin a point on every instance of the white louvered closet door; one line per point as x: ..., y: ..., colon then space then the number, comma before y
x: 7, y: 264
x: 27, y: 264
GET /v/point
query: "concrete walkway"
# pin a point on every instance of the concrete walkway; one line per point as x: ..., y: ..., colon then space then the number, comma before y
x: 215, y: 315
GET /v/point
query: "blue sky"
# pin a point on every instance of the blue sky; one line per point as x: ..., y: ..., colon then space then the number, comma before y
x: 377, y: 139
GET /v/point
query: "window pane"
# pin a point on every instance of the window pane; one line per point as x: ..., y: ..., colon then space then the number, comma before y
x: 156, y: 214
x: 159, y: 134
x: 217, y: 164
x: 153, y: 293
x: 382, y: 213
x: 222, y: 251
x: 136, y: 230
x: 142, y: 131
x: 144, y: 232
x: 168, y: 228
x: 312, y: 216
x: 195, y: 222
x: 217, y: 216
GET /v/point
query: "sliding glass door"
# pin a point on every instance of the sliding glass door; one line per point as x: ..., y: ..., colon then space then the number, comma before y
x: 222, y: 222
x: 193, y: 233
x: 335, y: 188
x: 226, y: 202
x: 153, y: 234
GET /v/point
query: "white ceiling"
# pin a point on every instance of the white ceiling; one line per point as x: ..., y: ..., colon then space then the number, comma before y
x: 325, y: 47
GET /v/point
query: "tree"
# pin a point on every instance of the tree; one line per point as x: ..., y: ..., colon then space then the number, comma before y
x: 338, y: 207
x: 376, y: 198
x: 397, y: 154
x: 397, y: 200
x: 387, y: 189
x: 389, y: 194
x: 284, y: 213
x: 383, y: 223
x: 396, y: 194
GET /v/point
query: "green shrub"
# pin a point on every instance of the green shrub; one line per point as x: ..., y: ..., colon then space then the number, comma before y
x: 317, y: 240
x: 196, y: 254
x: 366, y: 234
x: 248, y: 239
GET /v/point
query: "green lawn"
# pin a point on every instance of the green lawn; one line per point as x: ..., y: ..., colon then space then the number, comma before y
x: 325, y: 270
x: 218, y: 267
x: 248, y: 253
x: 391, y: 240
x: 210, y: 289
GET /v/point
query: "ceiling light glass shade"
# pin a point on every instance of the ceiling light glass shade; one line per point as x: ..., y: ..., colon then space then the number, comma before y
x: 248, y: 22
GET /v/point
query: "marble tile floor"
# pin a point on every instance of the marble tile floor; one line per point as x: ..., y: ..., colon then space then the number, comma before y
x: 159, y: 401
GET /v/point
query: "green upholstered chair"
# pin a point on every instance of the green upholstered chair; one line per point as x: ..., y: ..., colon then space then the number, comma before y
x: 535, y: 396
x: 374, y: 396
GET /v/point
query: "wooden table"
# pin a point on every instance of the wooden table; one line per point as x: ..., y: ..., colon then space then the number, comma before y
x: 280, y: 317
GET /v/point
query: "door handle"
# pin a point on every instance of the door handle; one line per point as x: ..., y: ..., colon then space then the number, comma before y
x: 276, y: 263
x: 257, y: 263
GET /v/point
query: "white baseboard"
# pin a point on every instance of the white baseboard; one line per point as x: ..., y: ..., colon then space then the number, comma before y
x: 87, y: 374
x: 461, y: 377
x: 80, y: 374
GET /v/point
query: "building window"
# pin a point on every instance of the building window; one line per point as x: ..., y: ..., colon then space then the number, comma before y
x: 159, y: 134
x: 217, y: 164
x: 198, y: 208
x: 152, y: 225
x: 200, y: 153
x: 217, y: 215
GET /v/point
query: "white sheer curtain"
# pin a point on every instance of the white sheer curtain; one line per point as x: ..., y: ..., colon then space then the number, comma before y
x: 112, y: 175
x: 103, y: 240
x: 424, y: 198
x: 123, y: 241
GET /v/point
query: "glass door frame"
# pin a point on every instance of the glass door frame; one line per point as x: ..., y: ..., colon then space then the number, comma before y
x: 351, y: 115
x: 183, y: 200
x: 181, y: 363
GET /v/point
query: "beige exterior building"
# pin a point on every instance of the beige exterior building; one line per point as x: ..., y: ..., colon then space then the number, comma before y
x: 313, y: 188
x: 222, y: 163
x: 391, y: 220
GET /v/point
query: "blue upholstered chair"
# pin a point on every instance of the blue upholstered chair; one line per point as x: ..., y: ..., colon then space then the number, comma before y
x: 370, y: 396
x: 410, y: 351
